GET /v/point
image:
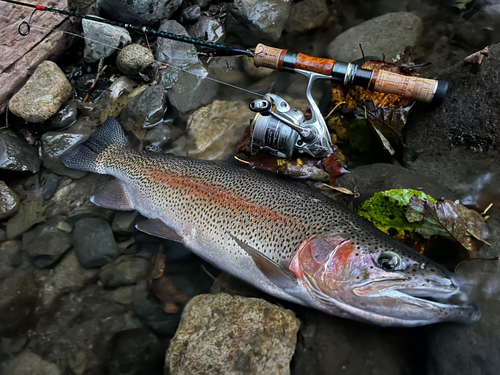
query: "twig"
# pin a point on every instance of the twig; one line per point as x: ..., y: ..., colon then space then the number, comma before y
x: 333, y: 110
x: 100, y: 70
x: 206, y: 271
x: 362, y: 52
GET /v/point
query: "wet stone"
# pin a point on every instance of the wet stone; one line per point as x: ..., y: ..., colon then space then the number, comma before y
x: 190, y: 15
x: 9, y: 201
x: 457, y: 142
x: 146, y: 109
x: 18, y: 295
x: 135, y: 351
x: 159, y: 136
x: 109, y: 39
x: 140, y: 12
x: 119, y: 86
x: 370, y: 179
x: 42, y: 95
x: 95, y: 244
x: 208, y: 29
x: 50, y: 186
x: 125, y: 270
x: 257, y: 21
x: 204, y: 4
x: 16, y: 154
x: 46, y: 243
x: 223, y: 334
x: 378, y: 36
x: 28, y: 363
x: 29, y: 214
x: 306, y: 15
x: 194, y: 89
x: 215, y: 130
x: 124, y: 222
x: 55, y: 144
x: 10, y: 254
x: 133, y: 58
x: 67, y: 276
x: 65, y: 117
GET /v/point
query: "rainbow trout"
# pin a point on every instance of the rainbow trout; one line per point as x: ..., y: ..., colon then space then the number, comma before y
x: 280, y: 236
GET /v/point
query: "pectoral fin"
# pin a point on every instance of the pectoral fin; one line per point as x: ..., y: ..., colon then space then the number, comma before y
x: 113, y: 196
x: 273, y: 271
x: 157, y: 228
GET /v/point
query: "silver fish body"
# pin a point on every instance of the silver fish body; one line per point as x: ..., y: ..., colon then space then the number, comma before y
x: 282, y: 237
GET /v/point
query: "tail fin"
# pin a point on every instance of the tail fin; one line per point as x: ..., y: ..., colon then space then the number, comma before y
x: 86, y: 156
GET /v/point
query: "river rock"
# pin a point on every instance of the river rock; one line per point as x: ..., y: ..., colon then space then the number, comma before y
x: 190, y: 87
x: 55, y: 144
x: 119, y: 86
x: 146, y: 109
x: 9, y: 201
x: 388, y: 34
x: 223, y: 334
x: 18, y: 295
x: 125, y: 270
x: 28, y: 363
x: 215, y: 130
x: 472, y: 349
x: 43, y: 94
x: 50, y: 186
x: 370, y: 179
x: 16, y: 154
x: 95, y: 244
x: 124, y: 222
x: 102, y: 40
x: 134, y: 58
x: 67, y: 276
x: 481, y: 28
x: 190, y: 14
x: 306, y: 15
x: 46, y: 243
x: 457, y: 142
x: 257, y: 21
x: 65, y: 117
x: 29, y: 214
x: 135, y: 351
x: 208, y: 29
x: 11, y: 257
x: 159, y: 136
x: 148, y: 12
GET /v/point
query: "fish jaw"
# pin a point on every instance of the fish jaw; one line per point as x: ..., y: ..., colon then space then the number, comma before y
x: 346, y: 280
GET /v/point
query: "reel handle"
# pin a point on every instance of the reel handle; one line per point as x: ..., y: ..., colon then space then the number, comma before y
x: 416, y: 88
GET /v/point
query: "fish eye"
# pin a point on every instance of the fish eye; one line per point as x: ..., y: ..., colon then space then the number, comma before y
x: 390, y: 261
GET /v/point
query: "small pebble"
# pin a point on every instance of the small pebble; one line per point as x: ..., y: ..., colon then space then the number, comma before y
x: 190, y: 14
x: 50, y: 187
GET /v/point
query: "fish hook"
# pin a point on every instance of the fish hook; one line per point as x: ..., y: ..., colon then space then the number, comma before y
x: 26, y: 23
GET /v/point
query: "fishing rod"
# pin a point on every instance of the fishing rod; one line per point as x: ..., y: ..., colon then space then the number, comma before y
x: 277, y: 127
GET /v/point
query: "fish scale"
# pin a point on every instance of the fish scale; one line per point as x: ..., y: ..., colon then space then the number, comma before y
x: 278, y: 235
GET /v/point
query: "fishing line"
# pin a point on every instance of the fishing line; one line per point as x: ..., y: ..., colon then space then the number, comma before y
x: 120, y: 49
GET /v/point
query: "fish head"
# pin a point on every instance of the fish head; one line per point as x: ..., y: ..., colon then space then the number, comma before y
x: 387, y: 284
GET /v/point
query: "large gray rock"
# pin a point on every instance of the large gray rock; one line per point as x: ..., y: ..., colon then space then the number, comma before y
x: 9, y: 201
x: 208, y: 29
x: 372, y: 178
x: 223, y: 334
x: 125, y: 270
x: 28, y: 363
x: 388, y: 34
x: 133, y: 58
x: 457, y: 142
x: 55, y: 144
x: 102, y: 40
x: 187, y: 77
x: 18, y: 295
x: 67, y: 276
x: 257, y: 21
x: 481, y: 29
x: 215, y: 130
x: 95, y: 244
x: 146, y: 109
x: 43, y: 94
x: 307, y: 15
x: 145, y: 12
x: 473, y: 349
x: 46, y: 243
x: 16, y: 154
x: 10, y: 257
